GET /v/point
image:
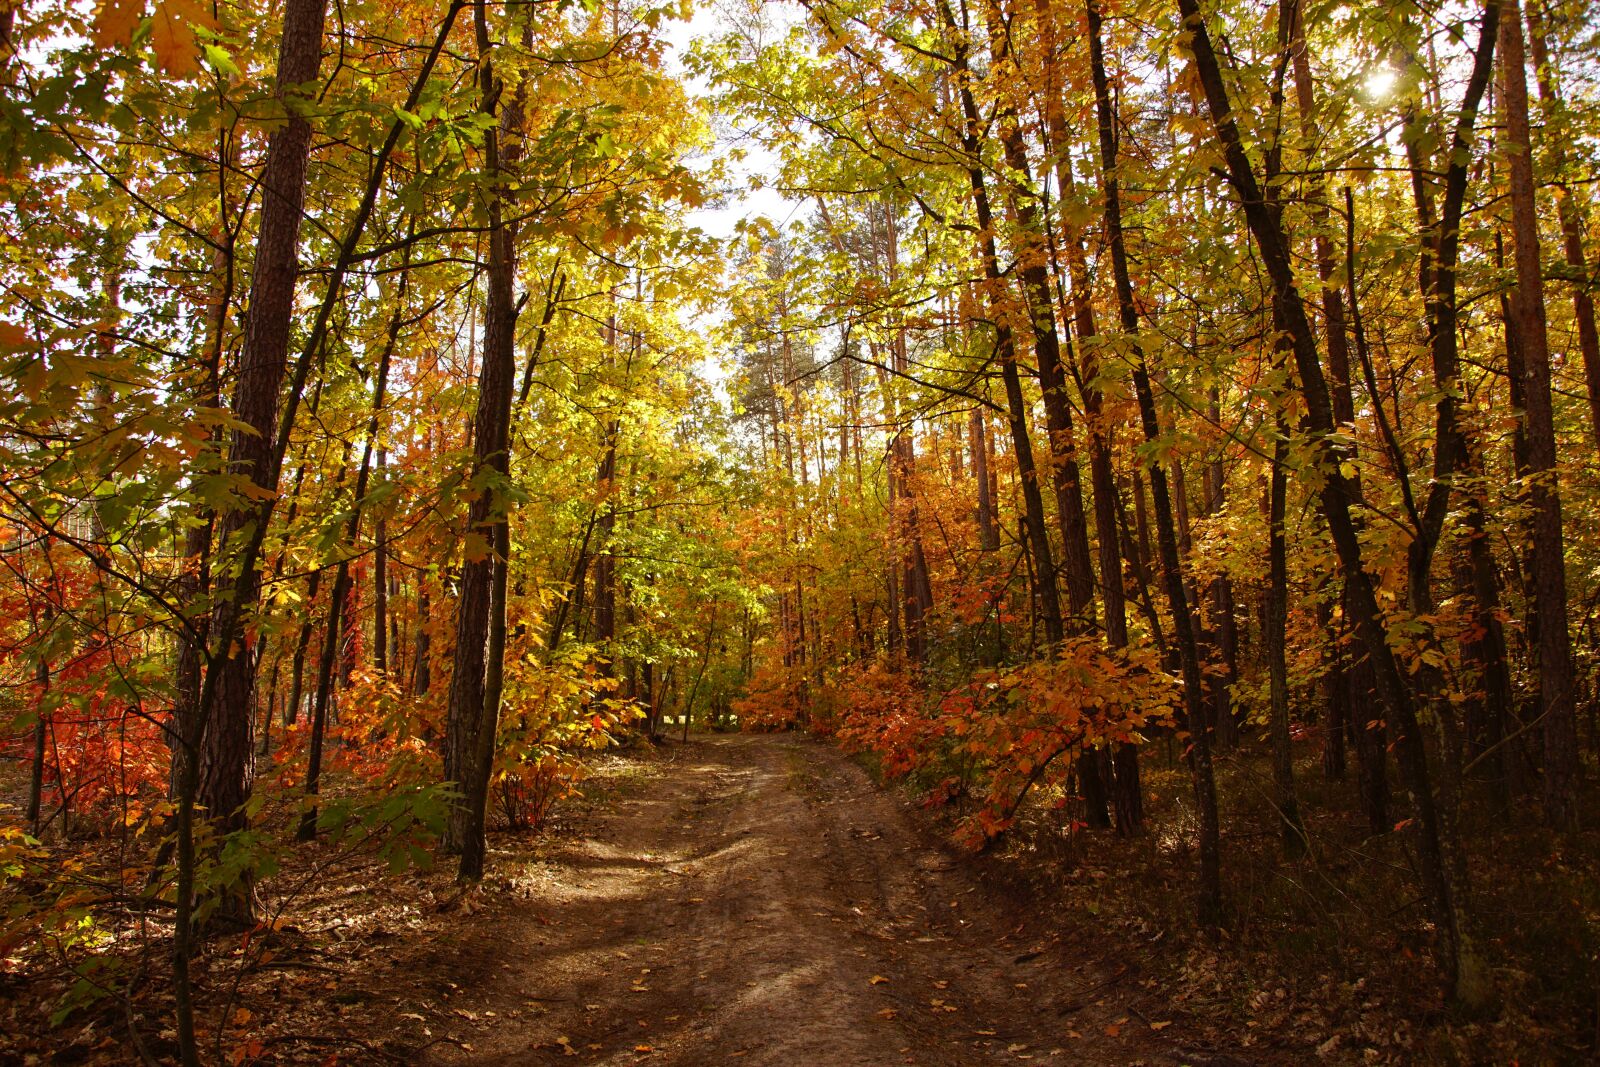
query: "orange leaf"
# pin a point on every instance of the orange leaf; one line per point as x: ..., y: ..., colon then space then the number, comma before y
x: 115, y: 21
x: 172, y: 35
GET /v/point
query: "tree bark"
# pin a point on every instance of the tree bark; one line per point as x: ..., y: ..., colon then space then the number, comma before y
x: 480, y: 614
x: 1548, y: 559
x: 1037, y: 532
x: 1569, y: 209
x: 226, y: 762
x: 1336, y: 499
x: 1209, y: 898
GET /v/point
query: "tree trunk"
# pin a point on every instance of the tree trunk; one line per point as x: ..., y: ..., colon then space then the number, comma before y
x: 1037, y: 532
x: 341, y: 581
x: 41, y: 731
x: 1569, y: 209
x: 380, y: 583
x: 1277, y: 615
x: 480, y: 614
x: 1033, y: 268
x: 1336, y: 498
x: 1548, y: 561
x: 1209, y: 901
x: 222, y: 736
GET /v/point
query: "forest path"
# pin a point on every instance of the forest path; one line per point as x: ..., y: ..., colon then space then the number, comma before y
x: 762, y: 901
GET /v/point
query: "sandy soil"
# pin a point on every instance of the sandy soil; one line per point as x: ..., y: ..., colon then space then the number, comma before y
x: 760, y: 901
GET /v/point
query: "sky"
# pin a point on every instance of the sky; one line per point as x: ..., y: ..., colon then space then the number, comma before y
x: 721, y: 219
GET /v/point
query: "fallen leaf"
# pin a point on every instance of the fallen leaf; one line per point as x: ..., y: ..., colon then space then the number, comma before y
x: 1162, y: 1025
x: 878, y: 979
x: 888, y: 1013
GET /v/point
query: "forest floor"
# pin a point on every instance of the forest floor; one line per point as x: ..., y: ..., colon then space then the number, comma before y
x: 758, y: 899
x: 761, y: 899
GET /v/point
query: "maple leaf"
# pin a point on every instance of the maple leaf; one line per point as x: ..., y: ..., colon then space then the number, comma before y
x: 172, y: 35
x: 115, y: 21
x: 14, y: 338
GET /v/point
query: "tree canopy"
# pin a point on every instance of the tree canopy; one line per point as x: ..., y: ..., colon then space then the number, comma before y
x: 390, y: 416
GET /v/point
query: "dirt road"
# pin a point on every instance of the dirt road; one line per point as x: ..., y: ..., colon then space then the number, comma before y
x: 760, y: 901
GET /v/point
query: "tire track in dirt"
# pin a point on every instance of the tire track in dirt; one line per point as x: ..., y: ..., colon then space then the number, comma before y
x: 762, y: 902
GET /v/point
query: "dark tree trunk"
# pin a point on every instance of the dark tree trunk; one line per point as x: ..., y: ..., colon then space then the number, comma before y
x: 422, y: 668
x: 988, y: 529
x: 1570, y: 210
x: 1037, y: 532
x: 480, y: 613
x: 1199, y: 749
x: 341, y: 584
x: 222, y: 736
x: 41, y: 732
x: 1277, y: 616
x: 380, y: 584
x: 1366, y: 728
x: 1336, y: 498
x: 1033, y: 269
x: 1126, y: 793
x: 1548, y: 561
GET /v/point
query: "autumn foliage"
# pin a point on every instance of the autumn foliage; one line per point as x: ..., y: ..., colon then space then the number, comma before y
x: 392, y: 417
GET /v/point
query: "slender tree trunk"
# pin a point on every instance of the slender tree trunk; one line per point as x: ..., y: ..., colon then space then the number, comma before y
x: 988, y: 530
x: 1336, y: 499
x: 380, y: 584
x: 1037, y: 532
x: 1210, y: 889
x: 341, y: 582
x: 41, y: 732
x: 1366, y: 729
x: 422, y: 667
x: 1548, y: 557
x: 480, y: 614
x: 1570, y: 210
x: 1033, y: 267
x: 1277, y: 615
x: 1125, y: 789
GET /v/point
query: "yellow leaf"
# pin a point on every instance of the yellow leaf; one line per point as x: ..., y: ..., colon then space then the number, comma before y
x: 115, y: 21
x: 878, y: 979
x: 1162, y: 1025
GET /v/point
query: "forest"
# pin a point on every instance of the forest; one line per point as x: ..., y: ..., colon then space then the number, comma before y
x: 1093, y: 502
